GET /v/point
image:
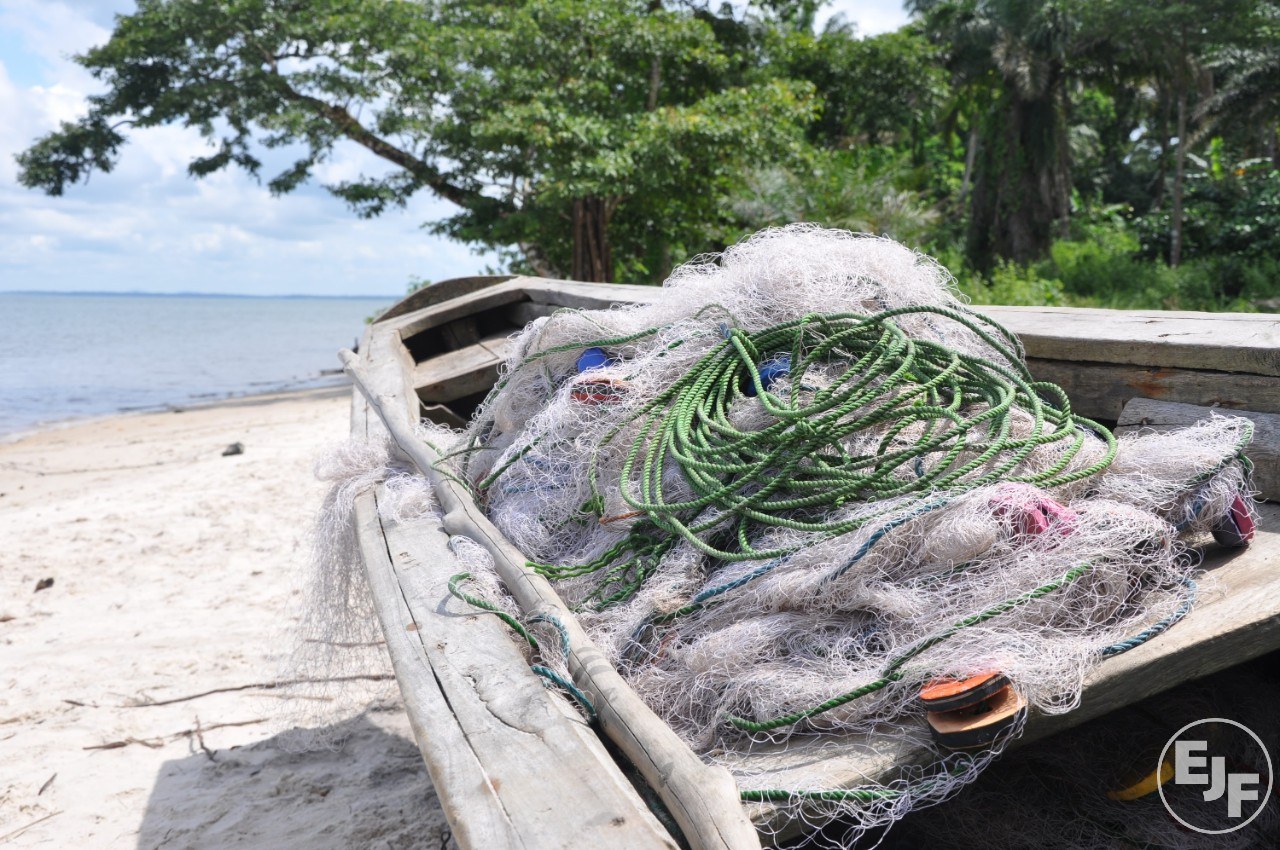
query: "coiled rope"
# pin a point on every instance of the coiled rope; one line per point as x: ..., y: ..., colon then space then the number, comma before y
x: 857, y: 387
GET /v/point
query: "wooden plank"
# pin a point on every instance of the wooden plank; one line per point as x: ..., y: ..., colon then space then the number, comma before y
x: 585, y: 296
x: 1227, y: 342
x: 512, y: 764
x: 497, y: 296
x: 1101, y: 390
x: 702, y: 799
x: 1264, y: 451
x: 445, y: 290
x: 365, y: 424
x: 456, y: 374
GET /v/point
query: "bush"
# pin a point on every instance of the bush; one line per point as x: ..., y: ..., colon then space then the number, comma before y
x: 1233, y: 220
x: 1012, y: 284
x: 1106, y: 269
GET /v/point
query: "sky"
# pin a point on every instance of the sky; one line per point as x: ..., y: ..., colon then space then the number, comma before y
x: 148, y: 227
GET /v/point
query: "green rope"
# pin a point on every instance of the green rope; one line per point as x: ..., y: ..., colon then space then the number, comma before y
x: 796, y: 472
x: 455, y: 589
x: 893, y: 670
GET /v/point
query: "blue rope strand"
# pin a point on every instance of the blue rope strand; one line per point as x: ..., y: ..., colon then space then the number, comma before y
x: 1184, y: 608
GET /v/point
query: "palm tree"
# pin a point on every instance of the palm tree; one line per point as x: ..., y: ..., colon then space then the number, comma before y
x: 1248, y: 95
x: 1012, y: 58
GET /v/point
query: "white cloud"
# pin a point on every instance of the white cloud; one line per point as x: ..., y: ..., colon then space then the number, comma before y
x: 53, y: 30
x: 148, y: 226
x: 872, y: 17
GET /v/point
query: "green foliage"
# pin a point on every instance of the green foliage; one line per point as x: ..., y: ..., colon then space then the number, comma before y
x: 1035, y: 146
x: 514, y: 111
x: 1009, y: 283
x: 1105, y: 268
x: 835, y: 189
x: 1232, y: 211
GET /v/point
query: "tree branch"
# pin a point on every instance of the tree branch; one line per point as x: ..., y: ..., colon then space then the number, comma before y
x: 347, y: 124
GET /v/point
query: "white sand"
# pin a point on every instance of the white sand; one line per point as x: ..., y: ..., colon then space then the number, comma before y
x: 173, y: 572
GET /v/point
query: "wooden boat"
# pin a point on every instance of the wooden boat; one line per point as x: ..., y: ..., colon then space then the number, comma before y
x: 514, y: 766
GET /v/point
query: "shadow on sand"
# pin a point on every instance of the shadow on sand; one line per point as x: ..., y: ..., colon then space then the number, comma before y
x: 372, y: 792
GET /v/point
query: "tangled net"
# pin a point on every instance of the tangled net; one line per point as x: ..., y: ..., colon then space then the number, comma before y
x: 808, y: 481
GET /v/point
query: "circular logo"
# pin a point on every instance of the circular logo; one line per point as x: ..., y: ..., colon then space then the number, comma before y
x: 1215, y: 776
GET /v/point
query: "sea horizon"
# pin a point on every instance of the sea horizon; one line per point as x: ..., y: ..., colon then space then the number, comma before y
x: 392, y: 297
x: 71, y: 356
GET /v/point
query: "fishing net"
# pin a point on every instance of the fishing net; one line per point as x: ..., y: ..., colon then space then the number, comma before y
x: 336, y: 666
x: 807, y: 482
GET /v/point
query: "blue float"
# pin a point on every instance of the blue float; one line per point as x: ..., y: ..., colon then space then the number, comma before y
x: 770, y: 371
x: 592, y: 358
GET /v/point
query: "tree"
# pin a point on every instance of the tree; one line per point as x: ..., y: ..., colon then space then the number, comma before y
x: 1247, y: 100
x: 1012, y: 59
x: 583, y: 137
x: 1169, y: 42
x: 835, y: 189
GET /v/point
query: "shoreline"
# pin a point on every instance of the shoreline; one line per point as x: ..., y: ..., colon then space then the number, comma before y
x: 334, y: 382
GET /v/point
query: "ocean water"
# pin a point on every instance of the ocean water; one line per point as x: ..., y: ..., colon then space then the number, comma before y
x: 68, y: 356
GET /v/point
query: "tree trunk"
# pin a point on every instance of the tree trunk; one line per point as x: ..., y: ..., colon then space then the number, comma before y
x: 655, y: 68
x: 1162, y: 170
x: 1062, y: 165
x: 1016, y: 183
x: 537, y: 261
x: 592, y: 260
x: 1179, y: 174
x: 971, y: 152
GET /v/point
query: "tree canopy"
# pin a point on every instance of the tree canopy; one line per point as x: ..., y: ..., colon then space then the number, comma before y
x: 607, y: 139
x: 582, y: 134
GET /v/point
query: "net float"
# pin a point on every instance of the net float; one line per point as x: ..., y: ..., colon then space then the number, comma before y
x: 980, y: 725
x: 951, y: 694
x: 1236, y: 528
x: 1033, y: 513
x: 770, y: 371
x: 593, y: 358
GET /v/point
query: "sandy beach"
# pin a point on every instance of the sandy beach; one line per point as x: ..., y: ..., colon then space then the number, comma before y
x: 141, y: 567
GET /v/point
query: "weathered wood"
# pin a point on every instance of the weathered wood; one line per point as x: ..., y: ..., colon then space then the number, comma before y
x: 1227, y: 342
x: 1264, y: 451
x: 457, y: 374
x: 702, y: 799
x: 496, y: 297
x: 1101, y: 357
x: 1101, y: 390
x: 511, y: 766
x: 436, y: 293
